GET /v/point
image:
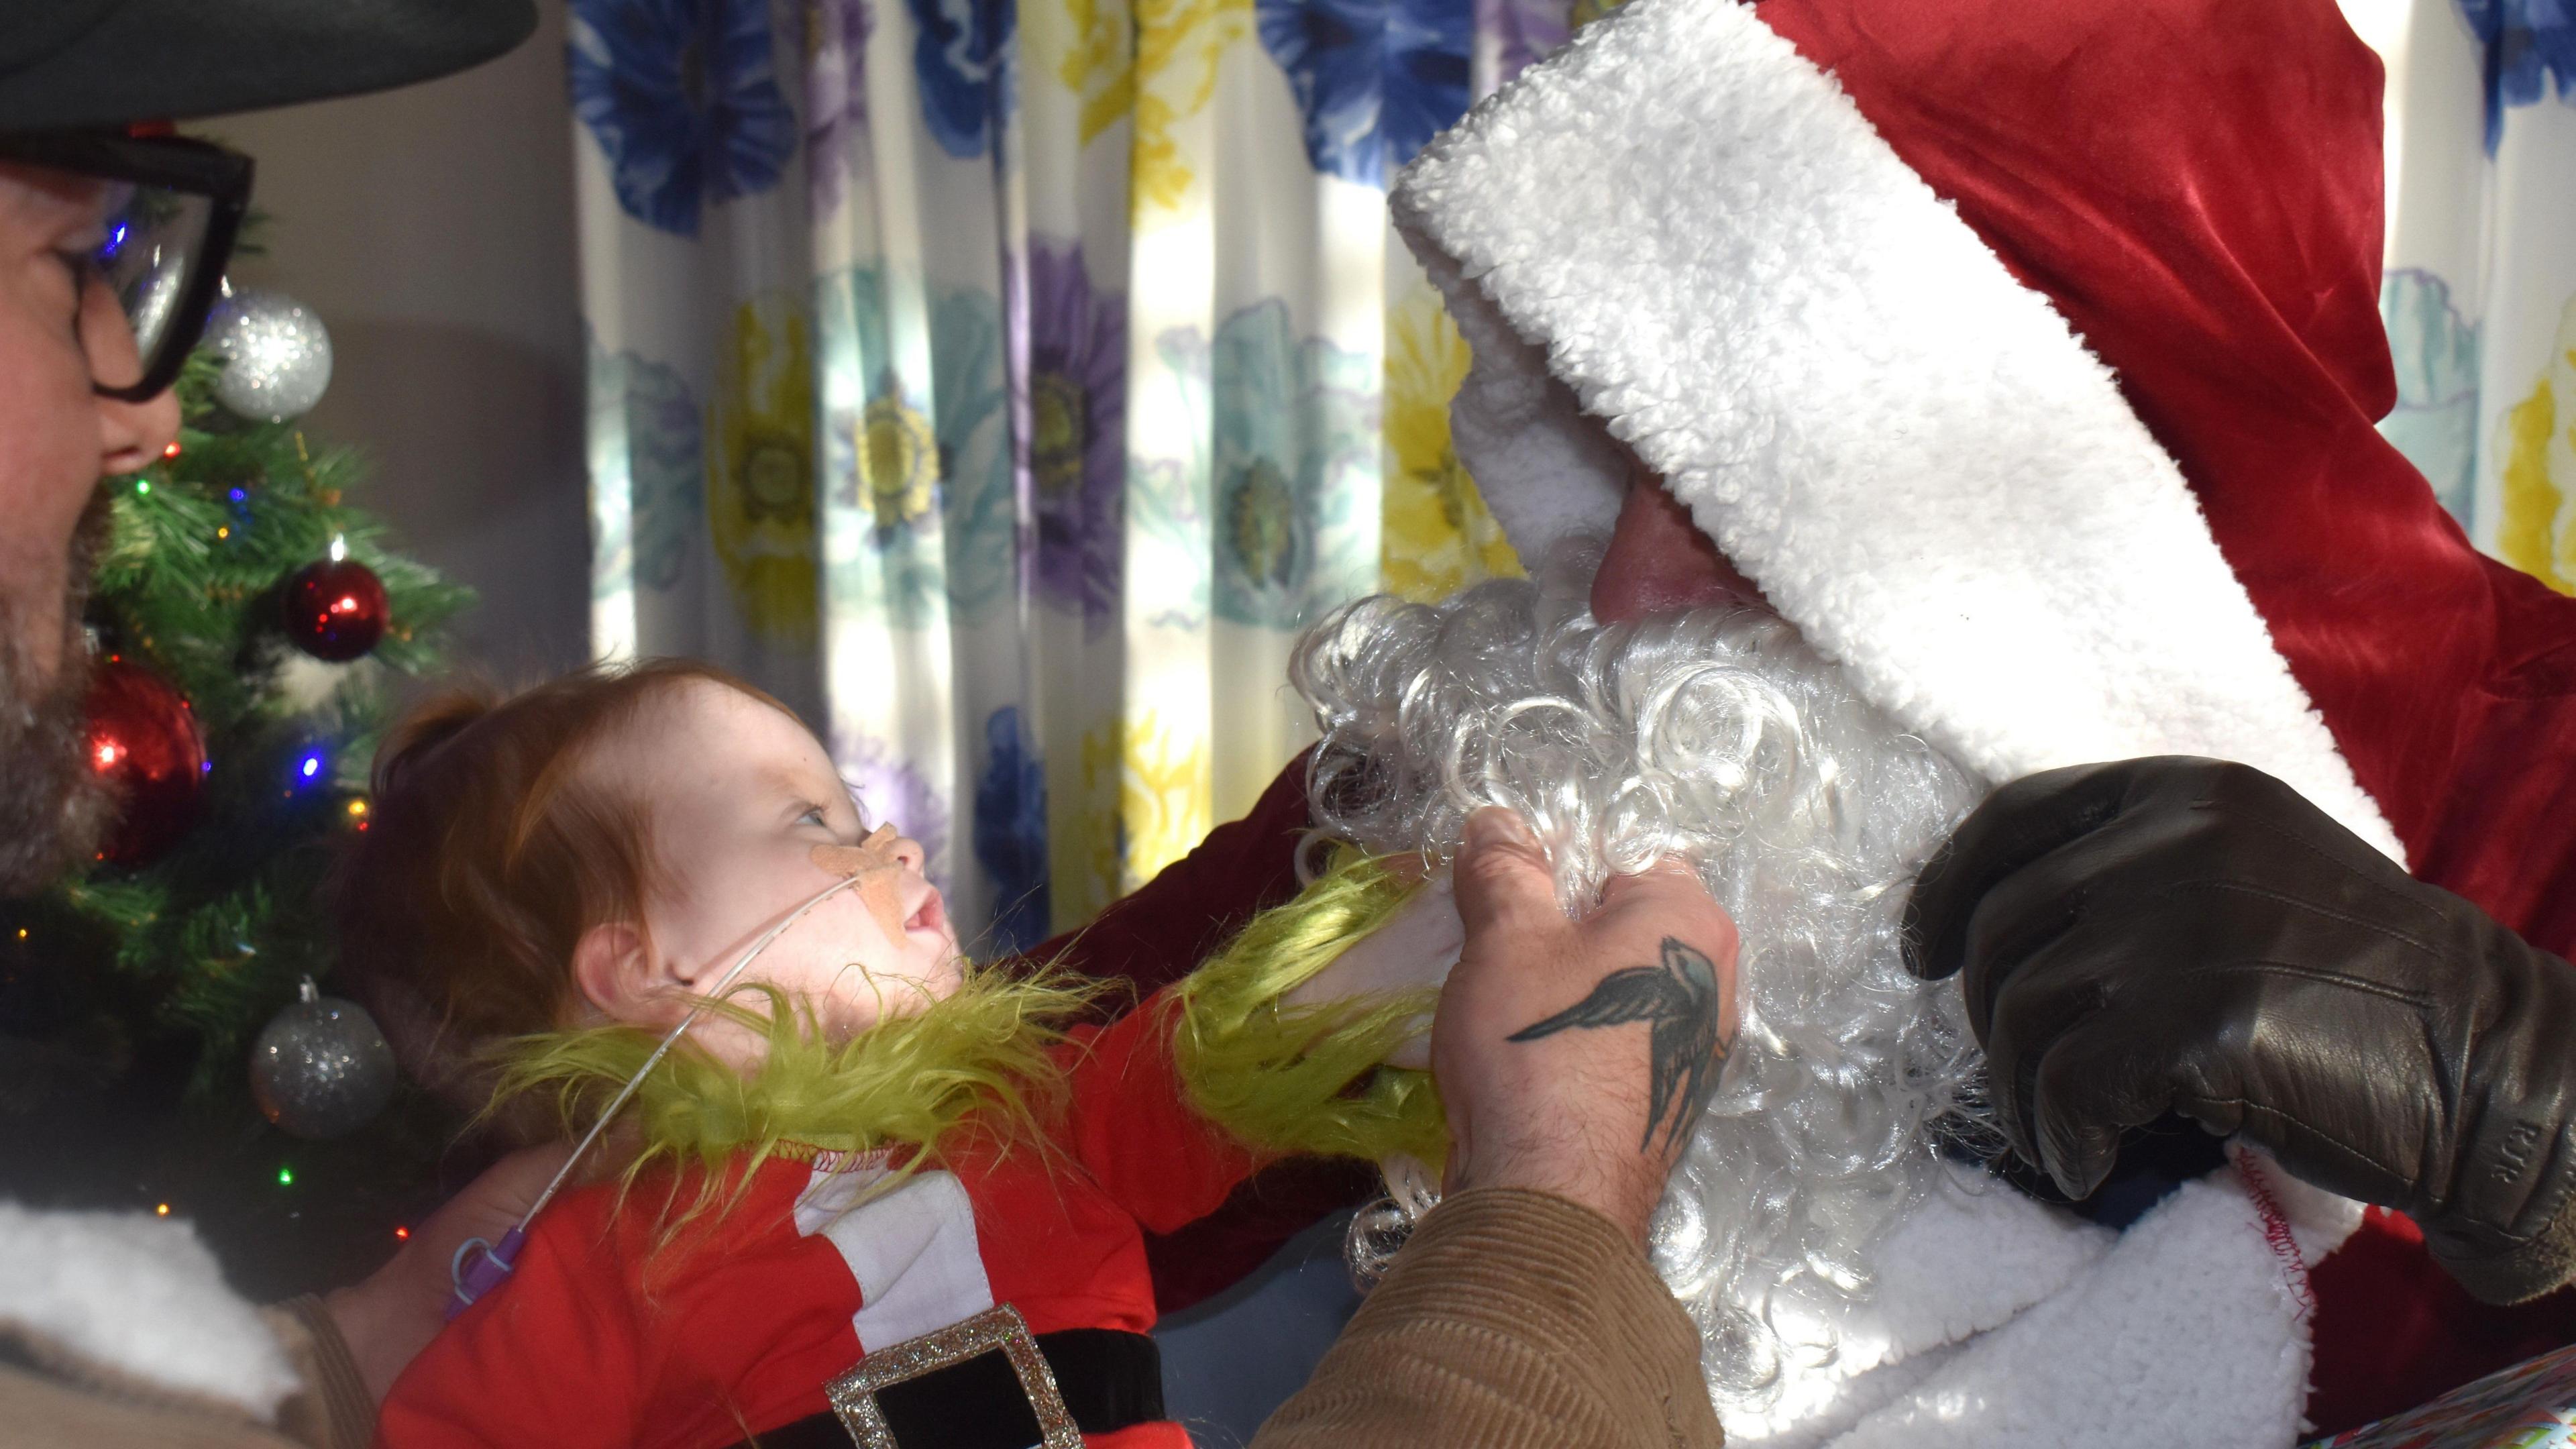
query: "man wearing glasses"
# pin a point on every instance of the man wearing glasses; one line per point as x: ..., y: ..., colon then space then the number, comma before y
x: 113, y: 239
x: 115, y: 245
x: 114, y: 235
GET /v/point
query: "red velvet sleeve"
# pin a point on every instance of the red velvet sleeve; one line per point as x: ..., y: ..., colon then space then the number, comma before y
x: 1157, y: 935
x: 2499, y: 827
x: 550, y: 1357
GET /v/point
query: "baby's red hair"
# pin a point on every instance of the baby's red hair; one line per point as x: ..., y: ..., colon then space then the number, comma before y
x: 489, y: 852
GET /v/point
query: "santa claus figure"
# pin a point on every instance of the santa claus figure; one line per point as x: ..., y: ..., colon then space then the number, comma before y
x: 1962, y: 391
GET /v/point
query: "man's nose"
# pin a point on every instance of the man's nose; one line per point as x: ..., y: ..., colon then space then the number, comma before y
x: 1660, y: 563
x: 131, y: 435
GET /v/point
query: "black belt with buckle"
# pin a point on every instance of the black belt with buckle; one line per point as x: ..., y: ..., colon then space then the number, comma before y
x: 986, y: 1383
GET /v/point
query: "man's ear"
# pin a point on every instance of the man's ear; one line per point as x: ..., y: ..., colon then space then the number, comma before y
x: 615, y: 971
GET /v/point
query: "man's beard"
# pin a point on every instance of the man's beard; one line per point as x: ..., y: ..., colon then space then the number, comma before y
x: 53, y: 807
x: 1721, y: 738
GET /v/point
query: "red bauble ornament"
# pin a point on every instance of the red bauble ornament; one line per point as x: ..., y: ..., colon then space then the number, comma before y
x: 335, y: 609
x: 143, y: 740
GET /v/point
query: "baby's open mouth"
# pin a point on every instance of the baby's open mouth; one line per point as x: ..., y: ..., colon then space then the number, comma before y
x: 930, y: 916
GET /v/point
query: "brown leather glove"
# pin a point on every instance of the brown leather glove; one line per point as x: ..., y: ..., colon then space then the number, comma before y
x: 2191, y: 935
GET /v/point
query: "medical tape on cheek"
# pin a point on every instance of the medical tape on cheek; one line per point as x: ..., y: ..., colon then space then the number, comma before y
x: 878, y: 871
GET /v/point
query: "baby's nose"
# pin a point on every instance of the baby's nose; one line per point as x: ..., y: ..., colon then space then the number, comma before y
x: 882, y: 850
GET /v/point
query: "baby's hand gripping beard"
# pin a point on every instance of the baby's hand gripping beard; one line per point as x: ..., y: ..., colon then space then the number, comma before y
x: 1413, y: 951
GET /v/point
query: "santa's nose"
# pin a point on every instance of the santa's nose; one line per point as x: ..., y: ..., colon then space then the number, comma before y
x: 1660, y: 563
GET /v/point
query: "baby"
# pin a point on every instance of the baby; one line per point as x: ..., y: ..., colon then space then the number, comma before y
x: 876, y: 1192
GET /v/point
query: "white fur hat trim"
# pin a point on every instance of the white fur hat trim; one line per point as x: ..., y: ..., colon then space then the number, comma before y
x: 1680, y: 227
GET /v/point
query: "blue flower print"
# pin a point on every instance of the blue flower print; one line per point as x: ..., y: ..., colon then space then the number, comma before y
x: 646, y: 440
x: 901, y: 449
x: 1011, y: 831
x: 963, y: 57
x: 1291, y: 469
x: 1375, y: 79
x: 2528, y: 42
x: 683, y: 97
x: 2435, y: 422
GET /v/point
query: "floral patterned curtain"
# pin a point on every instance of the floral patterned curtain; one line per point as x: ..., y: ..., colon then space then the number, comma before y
x: 1003, y: 385
x: 2480, y: 288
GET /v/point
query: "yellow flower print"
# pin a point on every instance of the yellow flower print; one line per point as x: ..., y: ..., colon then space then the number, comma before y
x: 1437, y: 536
x: 1148, y: 800
x: 1099, y: 65
x: 2537, y: 440
x: 1157, y: 63
x: 1165, y: 798
x: 1082, y: 832
x: 898, y: 461
x: 760, y: 470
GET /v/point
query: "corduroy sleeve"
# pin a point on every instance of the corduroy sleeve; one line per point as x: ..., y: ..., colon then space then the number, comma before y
x: 1512, y: 1320
x: 335, y: 1411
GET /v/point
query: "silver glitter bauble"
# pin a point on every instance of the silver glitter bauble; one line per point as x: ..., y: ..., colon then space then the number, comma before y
x: 277, y: 358
x: 321, y: 1068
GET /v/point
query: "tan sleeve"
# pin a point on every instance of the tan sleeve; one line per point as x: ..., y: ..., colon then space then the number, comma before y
x: 335, y: 1410
x: 37, y: 1407
x: 1512, y: 1320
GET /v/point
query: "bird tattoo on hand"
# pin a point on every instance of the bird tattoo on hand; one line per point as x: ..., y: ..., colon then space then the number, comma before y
x: 1679, y: 998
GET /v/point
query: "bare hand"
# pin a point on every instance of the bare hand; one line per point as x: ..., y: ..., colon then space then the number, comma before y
x: 394, y: 1312
x: 1574, y: 1056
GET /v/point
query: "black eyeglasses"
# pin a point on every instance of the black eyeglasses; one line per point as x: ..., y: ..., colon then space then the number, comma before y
x: 173, y: 210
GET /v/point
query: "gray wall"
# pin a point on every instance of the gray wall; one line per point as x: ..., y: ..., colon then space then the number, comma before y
x: 431, y: 229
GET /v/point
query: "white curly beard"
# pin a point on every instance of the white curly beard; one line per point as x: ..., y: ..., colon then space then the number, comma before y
x: 1719, y: 737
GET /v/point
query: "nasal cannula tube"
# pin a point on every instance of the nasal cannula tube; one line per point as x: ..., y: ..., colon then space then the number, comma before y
x: 479, y: 1265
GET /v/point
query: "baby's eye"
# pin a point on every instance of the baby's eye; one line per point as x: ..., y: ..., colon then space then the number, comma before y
x: 814, y: 816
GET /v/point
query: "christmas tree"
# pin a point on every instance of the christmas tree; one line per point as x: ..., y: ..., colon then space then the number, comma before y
x: 252, y: 636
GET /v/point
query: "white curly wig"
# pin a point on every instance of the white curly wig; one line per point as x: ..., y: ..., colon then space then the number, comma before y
x: 1719, y: 737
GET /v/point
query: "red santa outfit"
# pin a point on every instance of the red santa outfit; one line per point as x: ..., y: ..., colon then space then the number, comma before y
x: 603, y: 1336
x: 2026, y: 356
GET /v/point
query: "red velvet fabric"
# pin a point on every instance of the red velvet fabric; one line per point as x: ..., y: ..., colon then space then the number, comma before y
x: 2197, y: 185
x: 1157, y: 934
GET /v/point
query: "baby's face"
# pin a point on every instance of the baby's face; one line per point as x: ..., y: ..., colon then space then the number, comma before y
x: 749, y: 821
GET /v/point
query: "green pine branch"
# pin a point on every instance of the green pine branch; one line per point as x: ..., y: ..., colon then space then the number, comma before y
x: 203, y: 944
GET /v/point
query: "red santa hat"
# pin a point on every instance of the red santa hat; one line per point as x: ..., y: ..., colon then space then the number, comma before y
x: 2027, y: 356
x: 1687, y: 229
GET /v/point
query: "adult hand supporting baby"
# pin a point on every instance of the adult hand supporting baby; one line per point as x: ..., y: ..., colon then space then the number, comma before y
x: 390, y: 1316
x: 1573, y: 1055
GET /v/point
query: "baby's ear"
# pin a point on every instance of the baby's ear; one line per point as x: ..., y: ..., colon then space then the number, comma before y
x: 614, y: 972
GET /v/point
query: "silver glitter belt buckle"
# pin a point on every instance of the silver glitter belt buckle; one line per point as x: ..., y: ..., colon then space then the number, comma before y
x: 853, y: 1394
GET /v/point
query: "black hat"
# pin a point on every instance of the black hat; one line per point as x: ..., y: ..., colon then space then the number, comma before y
x: 82, y: 63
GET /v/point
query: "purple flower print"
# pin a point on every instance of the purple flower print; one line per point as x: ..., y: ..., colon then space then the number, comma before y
x: 1075, y: 444
x: 836, y: 96
x: 1520, y: 33
x: 890, y: 791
